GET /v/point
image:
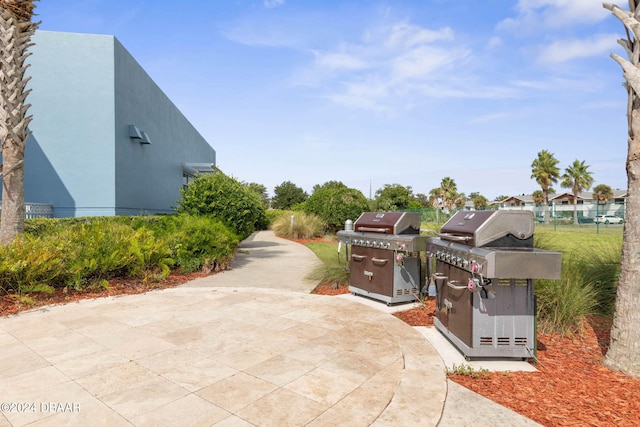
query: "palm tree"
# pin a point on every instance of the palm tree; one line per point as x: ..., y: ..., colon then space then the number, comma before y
x: 623, y: 352
x: 602, y: 193
x: 579, y: 179
x: 480, y: 202
x: 538, y: 198
x: 16, y: 30
x: 545, y: 171
x: 449, y: 192
x: 435, y: 198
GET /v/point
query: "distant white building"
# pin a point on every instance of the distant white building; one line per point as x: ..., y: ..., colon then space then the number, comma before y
x: 562, y: 206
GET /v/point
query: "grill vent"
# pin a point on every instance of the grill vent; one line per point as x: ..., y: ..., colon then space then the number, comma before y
x: 520, y: 341
x: 486, y: 341
x: 401, y: 292
x: 503, y: 341
x: 514, y: 282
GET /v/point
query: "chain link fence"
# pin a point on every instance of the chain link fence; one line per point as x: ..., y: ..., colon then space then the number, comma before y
x: 559, y: 216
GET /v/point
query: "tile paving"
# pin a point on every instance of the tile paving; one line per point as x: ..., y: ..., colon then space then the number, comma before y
x: 235, y: 349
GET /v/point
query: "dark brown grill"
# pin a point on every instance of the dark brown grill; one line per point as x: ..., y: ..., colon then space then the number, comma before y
x: 384, y: 262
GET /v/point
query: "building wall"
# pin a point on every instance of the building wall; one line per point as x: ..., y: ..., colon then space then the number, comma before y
x: 70, y: 156
x: 149, y: 176
x: 87, y: 90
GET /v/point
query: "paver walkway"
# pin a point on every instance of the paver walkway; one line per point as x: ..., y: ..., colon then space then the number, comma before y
x: 220, y: 351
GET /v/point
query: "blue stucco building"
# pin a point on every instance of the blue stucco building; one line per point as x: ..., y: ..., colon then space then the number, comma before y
x: 105, y: 139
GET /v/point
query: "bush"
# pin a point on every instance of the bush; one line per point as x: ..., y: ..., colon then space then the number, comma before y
x: 273, y: 214
x: 600, y: 267
x: 104, y: 248
x: 226, y: 199
x: 200, y: 243
x: 333, y: 269
x: 304, y: 226
x: 562, y: 304
x: 29, y: 265
x: 76, y: 252
x: 335, y: 205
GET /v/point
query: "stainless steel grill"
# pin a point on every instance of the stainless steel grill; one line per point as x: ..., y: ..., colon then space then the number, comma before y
x: 483, y: 266
x: 383, y: 252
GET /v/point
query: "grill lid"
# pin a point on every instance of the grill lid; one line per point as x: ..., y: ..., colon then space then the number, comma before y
x: 388, y: 223
x: 501, y: 228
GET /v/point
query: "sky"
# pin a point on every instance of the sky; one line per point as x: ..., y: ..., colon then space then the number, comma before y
x: 381, y: 92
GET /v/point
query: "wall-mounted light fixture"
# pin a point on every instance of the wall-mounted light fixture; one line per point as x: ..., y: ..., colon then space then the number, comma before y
x: 138, y: 135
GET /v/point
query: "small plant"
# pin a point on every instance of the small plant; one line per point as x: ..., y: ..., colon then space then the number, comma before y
x: 468, y: 370
x: 562, y: 304
x: 298, y: 225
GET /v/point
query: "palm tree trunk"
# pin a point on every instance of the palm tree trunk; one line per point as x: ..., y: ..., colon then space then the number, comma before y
x: 624, y: 350
x: 16, y: 30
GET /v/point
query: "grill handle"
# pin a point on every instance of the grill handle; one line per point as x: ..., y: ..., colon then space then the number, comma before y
x: 379, y: 261
x: 373, y: 229
x: 450, y: 284
x: 358, y: 257
x: 454, y: 237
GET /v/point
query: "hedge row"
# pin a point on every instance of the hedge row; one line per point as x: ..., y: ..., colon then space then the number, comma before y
x: 80, y: 252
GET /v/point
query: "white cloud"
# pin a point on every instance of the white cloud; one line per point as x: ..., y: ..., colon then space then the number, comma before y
x: 567, y: 50
x: 388, y: 68
x: 535, y: 15
x: 339, y: 61
x: 494, y: 42
x: 405, y: 35
x: 490, y: 118
x: 271, y: 4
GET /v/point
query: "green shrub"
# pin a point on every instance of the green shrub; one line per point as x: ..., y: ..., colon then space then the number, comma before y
x: 335, y: 205
x: 226, y: 199
x: 334, y: 266
x: 273, y: 214
x: 201, y: 243
x: 29, y: 265
x: 105, y: 248
x: 83, y: 252
x: 304, y: 226
x: 562, y: 304
x: 600, y: 267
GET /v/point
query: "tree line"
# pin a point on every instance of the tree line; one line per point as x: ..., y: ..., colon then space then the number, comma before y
x: 544, y: 170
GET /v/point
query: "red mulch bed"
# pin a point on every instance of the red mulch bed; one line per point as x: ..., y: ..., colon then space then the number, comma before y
x: 571, y: 387
x: 13, y: 304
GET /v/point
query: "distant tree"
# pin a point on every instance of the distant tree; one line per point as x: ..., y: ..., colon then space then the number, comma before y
x: 328, y: 184
x: 500, y: 198
x: 16, y: 30
x: 623, y: 354
x: 479, y: 201
x: 544, y: 170
x: 261, y: 190
x: 578, y: 179
x: 448, y: 193
x: 393, y: 197
x: 423, y: 199
x: 602, y: 193
x: 287, y: 195
x: 538, y: 197
x: 335, y: 205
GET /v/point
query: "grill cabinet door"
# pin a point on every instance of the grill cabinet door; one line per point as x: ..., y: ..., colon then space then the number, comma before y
x: 372, y: 270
